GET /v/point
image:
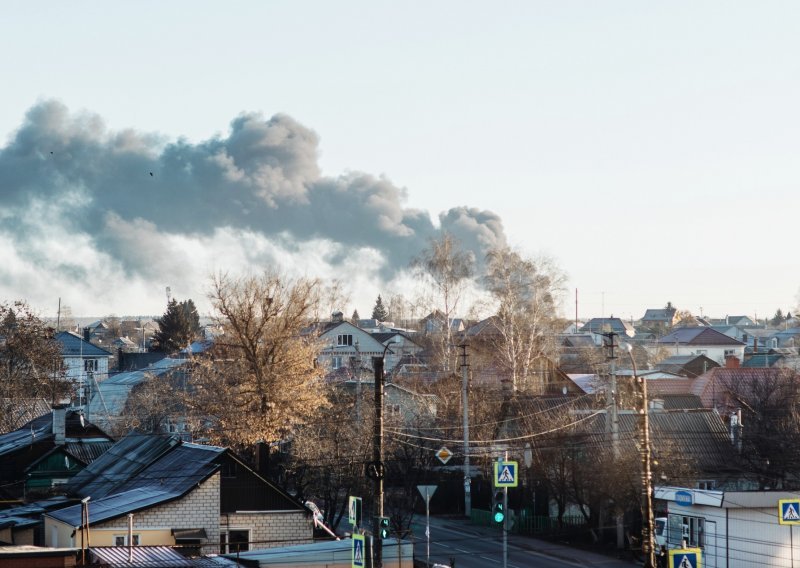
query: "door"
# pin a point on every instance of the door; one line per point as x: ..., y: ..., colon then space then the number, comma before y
x: 710, y: 545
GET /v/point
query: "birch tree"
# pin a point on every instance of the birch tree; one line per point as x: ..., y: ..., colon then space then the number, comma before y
x: 527, y: 293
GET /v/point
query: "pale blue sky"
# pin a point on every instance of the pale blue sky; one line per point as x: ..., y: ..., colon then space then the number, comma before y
x: 651, y: 148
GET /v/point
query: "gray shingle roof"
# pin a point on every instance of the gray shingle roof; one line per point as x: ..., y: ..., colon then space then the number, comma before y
x: 698, y: 336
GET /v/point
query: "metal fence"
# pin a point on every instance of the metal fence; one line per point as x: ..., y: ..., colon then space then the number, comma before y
x: 524, y: 522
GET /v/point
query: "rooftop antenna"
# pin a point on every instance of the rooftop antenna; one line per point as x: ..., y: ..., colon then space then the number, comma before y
x: 169, y: 294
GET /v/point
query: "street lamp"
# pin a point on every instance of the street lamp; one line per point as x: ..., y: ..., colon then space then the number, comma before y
x: 648, y: 546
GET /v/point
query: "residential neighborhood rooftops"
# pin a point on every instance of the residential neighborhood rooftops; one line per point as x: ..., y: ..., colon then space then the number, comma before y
x: 698, y: 336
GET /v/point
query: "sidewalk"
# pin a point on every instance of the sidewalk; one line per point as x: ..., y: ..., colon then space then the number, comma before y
x: 576, y: 556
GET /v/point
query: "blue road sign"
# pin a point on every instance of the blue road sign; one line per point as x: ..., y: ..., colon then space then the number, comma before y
x: 505, y: 474
x: 789, y: 511
x: 358, y: 551
x: 685, y: 558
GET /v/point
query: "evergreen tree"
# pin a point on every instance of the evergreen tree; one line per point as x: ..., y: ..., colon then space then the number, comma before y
x: 379, y: 311
x: 355, y: 317
x: 178, y: 327
x: 778, y: 318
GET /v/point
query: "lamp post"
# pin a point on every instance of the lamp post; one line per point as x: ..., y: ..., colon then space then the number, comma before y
x: 648, y: 546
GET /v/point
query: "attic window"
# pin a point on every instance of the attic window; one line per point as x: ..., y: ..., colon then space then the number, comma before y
x: 344, y: 339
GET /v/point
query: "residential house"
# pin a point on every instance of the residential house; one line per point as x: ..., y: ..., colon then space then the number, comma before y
x: 787, y: 338
x: 659, y: 319
x: 348, y: 347
x: 733, y: 529
x: 44, y: 454
x: 85, y: 364
x: 109, y: 397
x: 700, y: 341
x: 599, y: 326
x: 722, y: 388
x: 178, y: 493
x: 435, y: 322
x: 686, y: 365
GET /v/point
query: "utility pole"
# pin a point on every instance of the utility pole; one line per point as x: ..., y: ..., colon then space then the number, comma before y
x: 465, y: 405
x: 377, y: 471
x: 612, y: 426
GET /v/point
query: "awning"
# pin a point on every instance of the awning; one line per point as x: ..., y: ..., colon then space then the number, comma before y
x: 185, y: 535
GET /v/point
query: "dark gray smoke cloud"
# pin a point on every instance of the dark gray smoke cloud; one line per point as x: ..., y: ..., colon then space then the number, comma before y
x: 262, y: 177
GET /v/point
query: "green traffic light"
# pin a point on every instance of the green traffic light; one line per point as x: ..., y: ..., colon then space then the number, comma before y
x: 384, y: 527
x: 499, y: 516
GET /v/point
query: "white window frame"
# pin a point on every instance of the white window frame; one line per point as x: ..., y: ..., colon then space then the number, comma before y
x: 344, y: 340
x: 124, y: 542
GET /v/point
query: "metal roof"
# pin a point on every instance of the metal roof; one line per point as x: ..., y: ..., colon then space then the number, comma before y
x: 142, y: 462
x: 113, y: 506
x: 698, y: 336
x: 108, y: 400
x: 74, y: 346
x: 139, y: 557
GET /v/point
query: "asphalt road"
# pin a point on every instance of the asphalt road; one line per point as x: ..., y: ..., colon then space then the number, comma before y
x: 477, y: 547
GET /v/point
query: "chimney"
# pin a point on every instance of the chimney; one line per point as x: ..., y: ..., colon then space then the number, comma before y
x: 732, y: 362
x: 59, y: 424
x: 87, y: 334
x: 755, y: 345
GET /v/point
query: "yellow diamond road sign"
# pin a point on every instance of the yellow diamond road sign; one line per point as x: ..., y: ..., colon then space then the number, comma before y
x: 444, y: 455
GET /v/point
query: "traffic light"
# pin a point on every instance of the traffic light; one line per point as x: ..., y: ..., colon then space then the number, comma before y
x: 383, y: 527
x: 498, y: 507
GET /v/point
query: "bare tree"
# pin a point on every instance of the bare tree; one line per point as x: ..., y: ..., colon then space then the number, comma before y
x: 527, y: 293
x: 30, y: 359
x: 261, y: 381
x: 447, y: 268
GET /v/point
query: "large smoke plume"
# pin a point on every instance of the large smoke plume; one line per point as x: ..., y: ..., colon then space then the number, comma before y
x: 88, y: 210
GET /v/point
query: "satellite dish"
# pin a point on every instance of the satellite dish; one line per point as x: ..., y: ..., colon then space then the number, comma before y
x: 83, y: 423
x: 564, y: 389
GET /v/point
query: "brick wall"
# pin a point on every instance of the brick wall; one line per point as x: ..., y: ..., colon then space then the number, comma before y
x: 198, y: 509
x: 269, y: 529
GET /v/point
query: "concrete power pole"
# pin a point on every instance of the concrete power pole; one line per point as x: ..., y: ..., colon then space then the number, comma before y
x: 376, y: 468
x: 612, y: 426
x: 465, y: 404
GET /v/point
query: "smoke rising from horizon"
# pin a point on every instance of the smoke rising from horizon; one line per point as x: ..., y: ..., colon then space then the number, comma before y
x: 111, y: 214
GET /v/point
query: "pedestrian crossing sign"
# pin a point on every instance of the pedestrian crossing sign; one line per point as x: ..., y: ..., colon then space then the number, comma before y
x: 685, y: 558
x: 358, y: 551
x: 505, y: 474
x: 789, y: 511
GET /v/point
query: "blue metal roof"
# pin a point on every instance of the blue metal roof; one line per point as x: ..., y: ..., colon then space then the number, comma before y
x: 74, y: 346
x: 108, y: 400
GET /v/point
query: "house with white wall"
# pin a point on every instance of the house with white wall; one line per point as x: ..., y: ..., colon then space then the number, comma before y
x: 734, y: 529
x: 85, y: 365
x: 700, y: 341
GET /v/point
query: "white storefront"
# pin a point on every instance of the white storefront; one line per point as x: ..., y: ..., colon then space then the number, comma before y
x: 734, y: 529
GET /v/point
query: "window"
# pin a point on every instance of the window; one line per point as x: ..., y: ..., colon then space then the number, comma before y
x: 122, y: 540
x: 336, y: 362
x: 730, y: 352
x: 684, y: 527
x: 707, y: 484
x: 344, y: 339
x: 90, y: 364
x: 234, y: 540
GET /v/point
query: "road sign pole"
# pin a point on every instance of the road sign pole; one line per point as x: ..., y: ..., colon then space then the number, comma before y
x: 428, y: 524
x: 505, y: 528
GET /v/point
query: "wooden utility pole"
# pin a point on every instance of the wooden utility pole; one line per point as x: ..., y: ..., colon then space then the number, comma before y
x: 376, y: 467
